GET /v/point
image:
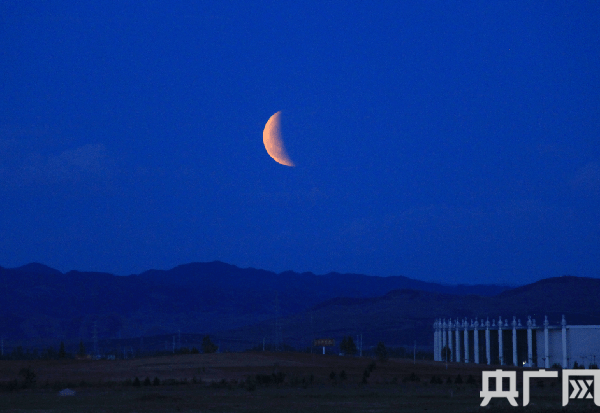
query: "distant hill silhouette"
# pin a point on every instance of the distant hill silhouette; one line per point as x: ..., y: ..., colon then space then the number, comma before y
x: 39, y: 302
x: 402, y: 316
x: 37, y: 268
x: 237, y: 306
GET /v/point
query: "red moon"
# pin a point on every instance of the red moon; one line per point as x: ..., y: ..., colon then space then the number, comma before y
x: 273, y: 141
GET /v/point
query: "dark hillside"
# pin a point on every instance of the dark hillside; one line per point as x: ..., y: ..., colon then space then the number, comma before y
x: 39, y: 302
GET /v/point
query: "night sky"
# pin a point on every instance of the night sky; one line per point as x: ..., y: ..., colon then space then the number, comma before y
x: 456, y: 142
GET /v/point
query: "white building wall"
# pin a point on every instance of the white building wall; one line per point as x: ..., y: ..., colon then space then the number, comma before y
x: 554, y: 346
x: 583, y: 345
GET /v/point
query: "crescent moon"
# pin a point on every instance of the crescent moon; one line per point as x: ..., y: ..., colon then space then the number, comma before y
x: 273, y: 141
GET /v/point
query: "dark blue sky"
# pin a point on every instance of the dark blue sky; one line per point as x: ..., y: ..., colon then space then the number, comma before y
x: 445, y: 141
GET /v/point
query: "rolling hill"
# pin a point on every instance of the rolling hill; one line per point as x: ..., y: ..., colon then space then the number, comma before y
x: 39, y: 302
x: 402, y: 316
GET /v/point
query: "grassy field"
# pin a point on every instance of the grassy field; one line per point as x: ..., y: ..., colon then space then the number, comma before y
x: 257, y: 382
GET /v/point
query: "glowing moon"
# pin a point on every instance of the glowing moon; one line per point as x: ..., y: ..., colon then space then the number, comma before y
x: 274, y: 142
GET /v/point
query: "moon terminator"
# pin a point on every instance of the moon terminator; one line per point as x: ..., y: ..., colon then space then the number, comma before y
x: 273, y: 141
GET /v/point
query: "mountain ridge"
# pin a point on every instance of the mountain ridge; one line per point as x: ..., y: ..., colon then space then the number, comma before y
x: 41, y: 302
x: 403, y: 316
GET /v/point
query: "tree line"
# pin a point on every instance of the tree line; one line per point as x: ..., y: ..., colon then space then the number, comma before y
x: 51, y: 353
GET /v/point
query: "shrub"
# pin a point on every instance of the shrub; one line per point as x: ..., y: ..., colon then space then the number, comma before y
x: 381, y: 352
x: 28, y: 377
x: 12, y: 385
x: 436, y: 380
x: 263, y: 378
x: 270, y: 378
x: 156, y: 381
x: 372, y: 366
x: 411, y: 378
x: 147, y: 381
x: 343, y: 375
x: 208, y: 346
x: 61, y: 352
x: 449, y: 380
x: 347, y: 346
x: 136, y: 382
x: 250, y: 384
x: 458, y: 380
x: 332, y: 375
x: 279, y: 377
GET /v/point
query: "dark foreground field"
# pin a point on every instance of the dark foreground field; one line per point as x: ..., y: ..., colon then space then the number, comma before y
x: 260, y: 382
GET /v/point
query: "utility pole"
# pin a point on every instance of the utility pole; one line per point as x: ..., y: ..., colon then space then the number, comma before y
x: 361, y: 345
x: 277, y: 327
x: 415, y: 353
x: 312, y: 333
x: 95, y: 338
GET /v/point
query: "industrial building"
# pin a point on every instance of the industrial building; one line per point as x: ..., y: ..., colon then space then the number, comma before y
x: 515, y: 344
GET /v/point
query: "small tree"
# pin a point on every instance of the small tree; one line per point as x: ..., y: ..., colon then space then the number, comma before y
x: 81, y: 349
x: 347, y: 346
x: 28, y: 377
x: 446, y: 354
x: 208, y: 346
x: 381, y: 352
x: 61, y: 352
